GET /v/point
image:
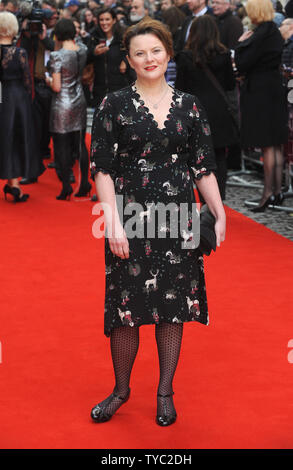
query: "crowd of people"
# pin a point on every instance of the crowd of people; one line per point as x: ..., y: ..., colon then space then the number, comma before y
x: 60, y: 57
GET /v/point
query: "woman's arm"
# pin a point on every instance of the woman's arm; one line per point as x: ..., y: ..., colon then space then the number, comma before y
x: 54, y: 82
x: 209, y: 189
x: 106, y: 194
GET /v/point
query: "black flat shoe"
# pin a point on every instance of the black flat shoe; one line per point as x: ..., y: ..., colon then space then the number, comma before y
x: 99, y: 414
x: 166, y: 418
x: 262, y: 207
x: 15, y: 193
x: 83, y: 192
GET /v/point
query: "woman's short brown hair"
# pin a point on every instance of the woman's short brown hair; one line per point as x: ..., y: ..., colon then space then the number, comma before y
x: 149, y: 26
x: 260, y: 10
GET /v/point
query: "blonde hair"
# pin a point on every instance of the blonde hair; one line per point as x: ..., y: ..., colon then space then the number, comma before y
x: 8, y: 25
x: 260, y: 10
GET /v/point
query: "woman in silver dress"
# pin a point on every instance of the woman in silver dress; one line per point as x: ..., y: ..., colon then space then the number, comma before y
x: 68, y: 109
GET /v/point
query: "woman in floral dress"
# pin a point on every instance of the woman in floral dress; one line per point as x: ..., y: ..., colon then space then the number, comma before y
x: 149, y: 142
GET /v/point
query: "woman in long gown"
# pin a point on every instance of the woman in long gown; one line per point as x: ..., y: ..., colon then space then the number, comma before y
x: 263, y: 103
x: 148, y: 143
x: 18, y: 150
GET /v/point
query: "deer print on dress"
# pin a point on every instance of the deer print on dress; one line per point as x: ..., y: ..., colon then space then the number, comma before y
x: 125, y: 317
x: 152, y: 283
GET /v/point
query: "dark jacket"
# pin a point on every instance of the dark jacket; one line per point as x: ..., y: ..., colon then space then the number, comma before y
x: 230, y: 29
x: 263, y: 100
x: 192, y: 79
x: 180, y: 42
x: 108, y: 77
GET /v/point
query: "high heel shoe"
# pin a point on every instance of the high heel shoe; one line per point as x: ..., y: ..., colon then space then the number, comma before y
x: 279, y: 198
x: 262, y: 207
x: 65, y: 194
x: 166, y: 418
x: 83, y: 192
x: 15, y: 193
x: 99, y: 413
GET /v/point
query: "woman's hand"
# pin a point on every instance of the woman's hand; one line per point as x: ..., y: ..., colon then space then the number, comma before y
x: 220, y: 230
x: 245, y: 35
x: 48, y: 80
x: 101, y: 49
x: 118, y: 242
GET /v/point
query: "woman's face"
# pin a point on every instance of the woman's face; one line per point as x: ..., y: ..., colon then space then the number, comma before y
x: 148, y: 56
x: 88, y: 16
x: 106, y: 22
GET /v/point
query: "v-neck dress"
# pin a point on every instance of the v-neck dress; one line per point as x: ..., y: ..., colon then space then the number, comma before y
x: 162, y: 280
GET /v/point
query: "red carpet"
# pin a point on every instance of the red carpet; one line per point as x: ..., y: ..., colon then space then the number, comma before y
x: 234, y: 383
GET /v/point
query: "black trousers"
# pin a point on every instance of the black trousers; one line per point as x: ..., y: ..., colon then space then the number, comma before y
x: 41, y: 109
x: 66, y: 147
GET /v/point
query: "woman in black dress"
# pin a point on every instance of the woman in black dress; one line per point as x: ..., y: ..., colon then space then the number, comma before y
x: 263, y: 104
x: 149, y: 142
x: 18, y: 150
x: 204, y: 56
x: 111, y: 69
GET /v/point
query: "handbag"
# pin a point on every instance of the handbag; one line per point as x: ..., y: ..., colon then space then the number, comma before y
x: 217, y: 85
x: 208, y: 239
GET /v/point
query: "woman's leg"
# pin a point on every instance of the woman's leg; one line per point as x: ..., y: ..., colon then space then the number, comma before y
x: 279, y: 163
x: 85, y: 186
x: 269, y: 169
x: 124, y: 343
x: 169, y: 339
x: 62, y: 146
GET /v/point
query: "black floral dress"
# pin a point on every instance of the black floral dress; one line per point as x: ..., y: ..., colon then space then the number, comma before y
x: 163, y: 278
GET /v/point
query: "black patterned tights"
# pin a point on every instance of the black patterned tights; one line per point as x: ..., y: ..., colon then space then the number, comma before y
x: 124, y: 346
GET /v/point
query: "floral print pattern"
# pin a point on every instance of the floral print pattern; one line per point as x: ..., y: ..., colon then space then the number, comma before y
x: 160, y: 281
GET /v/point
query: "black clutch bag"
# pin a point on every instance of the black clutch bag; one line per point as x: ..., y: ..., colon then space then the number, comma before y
x: 208, y: 239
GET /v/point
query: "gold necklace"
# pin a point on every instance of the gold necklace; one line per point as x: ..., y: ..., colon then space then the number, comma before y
x: 155, y: 105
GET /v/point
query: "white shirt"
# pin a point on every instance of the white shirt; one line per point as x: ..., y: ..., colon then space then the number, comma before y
x: 200, y: 13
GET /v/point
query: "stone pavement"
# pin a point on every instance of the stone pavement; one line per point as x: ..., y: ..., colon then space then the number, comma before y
x: 277, y: 220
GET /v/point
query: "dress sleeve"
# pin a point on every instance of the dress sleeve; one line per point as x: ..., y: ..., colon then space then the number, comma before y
x: 201, y: 153
x: 55, y: 62
x: 104, y: 144
x: 26, y: 71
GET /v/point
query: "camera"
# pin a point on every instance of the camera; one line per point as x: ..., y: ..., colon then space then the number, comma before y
x: 32, y: 11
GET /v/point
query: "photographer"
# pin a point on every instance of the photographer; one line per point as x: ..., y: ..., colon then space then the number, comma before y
x: 37, y: 39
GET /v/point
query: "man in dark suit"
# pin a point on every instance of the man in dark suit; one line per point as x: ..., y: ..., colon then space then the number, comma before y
x: 197, y: 8
x: 230, y: 26
x: 38, y: 49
